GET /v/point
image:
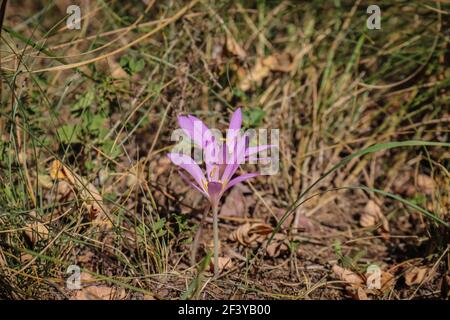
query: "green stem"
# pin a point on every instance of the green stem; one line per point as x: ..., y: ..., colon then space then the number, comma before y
x: 216, y: 239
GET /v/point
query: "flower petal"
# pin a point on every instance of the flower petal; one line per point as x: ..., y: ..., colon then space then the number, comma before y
x: 186, y: 124
x: 241, y: 179
x: 188, y: 164
x: 236, y: 120
x: 200, y: 132
x: 234, y: 129
x: 229, y: 171
x: 213, y: 156
x: 235, y: 158
x: 195, y: 129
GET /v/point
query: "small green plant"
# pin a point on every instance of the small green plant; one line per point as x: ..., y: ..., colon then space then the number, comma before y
x: 132, y: 65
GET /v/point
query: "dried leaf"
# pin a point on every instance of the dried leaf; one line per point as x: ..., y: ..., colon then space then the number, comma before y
x: 25, y: 257
x: 36, y: 231
x: 117, y: 71
x: 224, y: 263
x: 416, y: 275
x: 234, y: 48
x: 372, y: 215
x: 250, y: 234
x: 387, y: 281
x: 263, y: 68
x: 425, y: 184
x: 360, y: 294
x: 256, y: 75
x: 348, y: 276
x: 56, y: 170
x: 277, y: 246
x: 99, y: 293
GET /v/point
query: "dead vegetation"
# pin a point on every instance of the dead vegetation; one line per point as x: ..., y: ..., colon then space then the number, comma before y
x: 86, y: 121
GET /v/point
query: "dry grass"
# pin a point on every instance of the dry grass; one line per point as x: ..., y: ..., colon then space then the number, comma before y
x: 103, y: 102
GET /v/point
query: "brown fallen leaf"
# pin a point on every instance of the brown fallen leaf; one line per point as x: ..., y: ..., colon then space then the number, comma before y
x: 425, y: 184
x: 387, y: 281
x: 25, y: 257
x: 63, y: 189
x: 372, y: 215
x: 348, y: 276
x: 280, y: 62
x: 224, y: 263
x: 56, y: 170
x: 86, y: 257
x: 99, y: 293
x: 256, y: 75
x: 234, y: 48
x: 416, y: 275
x: 116, y: 69
x: 263, y: 68
x: 251, y: 234
x: 358, y: 293
x: 277, y: 246
x: 148, y: 297
x: 35, y: 232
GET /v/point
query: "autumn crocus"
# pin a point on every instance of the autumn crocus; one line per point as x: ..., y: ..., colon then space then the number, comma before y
x: 222, y: 160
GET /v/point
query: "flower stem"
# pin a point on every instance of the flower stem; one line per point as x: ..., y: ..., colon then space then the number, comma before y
x: 216, y: 239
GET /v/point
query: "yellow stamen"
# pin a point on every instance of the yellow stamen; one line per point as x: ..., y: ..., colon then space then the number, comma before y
x: 214, y: 169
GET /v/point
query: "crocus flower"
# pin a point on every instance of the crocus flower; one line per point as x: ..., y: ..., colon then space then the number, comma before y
x: 222, y: 160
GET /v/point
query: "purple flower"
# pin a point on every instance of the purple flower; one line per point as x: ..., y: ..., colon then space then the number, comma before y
x: 222, y: 160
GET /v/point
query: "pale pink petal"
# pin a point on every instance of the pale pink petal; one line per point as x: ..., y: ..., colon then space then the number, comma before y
x: 234, y: 128
x: 236, y: 120
x: 188, y: 164
x: 186, y: 124
x: 200, y: 131
x: 195, y: 129
x: 241, y: 179
x: 211, y: 154
x: 229, y: 171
